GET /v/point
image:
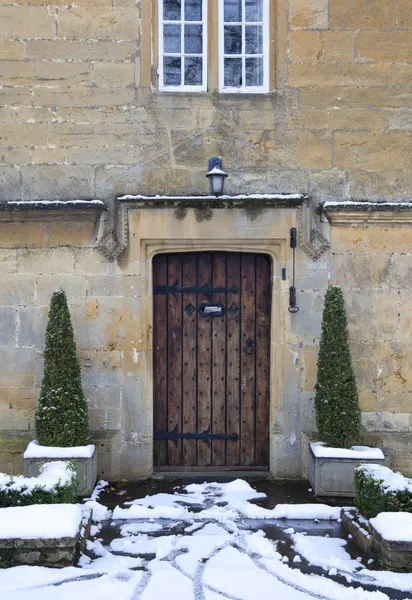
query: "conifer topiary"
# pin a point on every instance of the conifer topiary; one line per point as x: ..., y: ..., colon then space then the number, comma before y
x: 338, y: 414
x: 61, y: 416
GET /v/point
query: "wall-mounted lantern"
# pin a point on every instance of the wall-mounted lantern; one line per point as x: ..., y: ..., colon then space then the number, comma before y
x: 216, y: 176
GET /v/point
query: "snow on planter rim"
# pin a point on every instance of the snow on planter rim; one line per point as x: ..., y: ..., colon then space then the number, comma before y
x: 34, y: 450
x: 393, y: 526
x: 46, y: 521
x: 51, y: 475
x: 389, y: 480
x: 356, y: 452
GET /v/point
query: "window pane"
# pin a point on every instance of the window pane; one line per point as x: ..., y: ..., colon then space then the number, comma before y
x: 233, y: 39
x: 233, y: 72
x: 172, y: 10
x: 254, y: 71
x: 233, y: 11
x: 193, y: 10
x: 253, y: 10
x: 193, y: 70
x: 193, y: 39
x: 254, y: 39
x: 172, y: 70
x: 171, y: 38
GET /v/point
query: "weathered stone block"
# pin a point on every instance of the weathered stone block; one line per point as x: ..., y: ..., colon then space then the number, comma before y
x: 41, y: 261
x: 348, y: 239
x: 308, y: 14
x: 57, y: 182
x: 392, y: 422
x: 372, y: 314
x: 363, y: 14
x: 10, y: 185
x: 98, y: 23
x: 45, y: 73
x: 8, y: 323
x: 362, y: 271
x: 388, y: 184
x: 26, y: 22
x: 321, y: 46
x: 77, y: 50
x: 12, y: 50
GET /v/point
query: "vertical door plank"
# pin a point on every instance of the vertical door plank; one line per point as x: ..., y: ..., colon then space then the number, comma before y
x: 248, y: 357
x: 218, y: 361
x: 263, y: 310
x: 189, y: 359
x: 174, y: 357
x: 233, y: 359
x: 160, y: 358
x: 204, y: 270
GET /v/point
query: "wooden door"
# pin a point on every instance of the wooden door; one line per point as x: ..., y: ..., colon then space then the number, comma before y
x: 211, y: 351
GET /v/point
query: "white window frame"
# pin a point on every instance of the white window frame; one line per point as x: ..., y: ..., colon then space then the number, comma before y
x: 266, y: 46
x: 183, y: 88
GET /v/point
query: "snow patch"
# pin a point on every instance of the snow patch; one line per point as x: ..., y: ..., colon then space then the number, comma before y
x: 34, y: 450
x: 47, y: 521
x: 356, y: 452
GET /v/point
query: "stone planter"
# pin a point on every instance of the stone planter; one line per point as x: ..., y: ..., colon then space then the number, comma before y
x: 38, y: 545
x: 331, y: 470
x: 84, y: 459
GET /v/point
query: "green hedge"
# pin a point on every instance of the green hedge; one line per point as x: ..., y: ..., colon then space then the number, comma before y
x: 56, y: 484
x: 378, y: 489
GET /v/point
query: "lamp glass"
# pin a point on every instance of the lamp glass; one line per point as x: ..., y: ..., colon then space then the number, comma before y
x: 217, y: 183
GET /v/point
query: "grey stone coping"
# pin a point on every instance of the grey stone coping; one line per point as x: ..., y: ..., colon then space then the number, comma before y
x: 360, y: 206
x: 11, y: 205
x: 251, y: 201
x: 33, y: 210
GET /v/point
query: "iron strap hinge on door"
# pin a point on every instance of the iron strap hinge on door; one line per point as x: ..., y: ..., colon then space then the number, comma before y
x: 205, y: 436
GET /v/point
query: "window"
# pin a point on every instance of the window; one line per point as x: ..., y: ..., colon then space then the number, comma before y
x: 243, y: 45
x: 183, y: 45
x: 242, y: 54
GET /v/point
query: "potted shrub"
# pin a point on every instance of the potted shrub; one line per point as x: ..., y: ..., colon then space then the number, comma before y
x: 62, y: 418
x: 332, y: 461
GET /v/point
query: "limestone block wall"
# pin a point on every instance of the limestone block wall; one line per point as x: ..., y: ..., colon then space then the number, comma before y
x: 81, y: 116
x: 373, y: 265
x: 111, y: 302
x: 36, y: 258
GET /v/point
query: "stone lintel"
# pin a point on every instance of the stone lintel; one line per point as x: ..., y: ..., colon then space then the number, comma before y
x: 361, y: 213
x: 252, y: 201
x: 51, y: 210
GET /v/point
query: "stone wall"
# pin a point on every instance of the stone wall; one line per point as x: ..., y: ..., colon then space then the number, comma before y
x: 79, y: 118
x: 373, y: 265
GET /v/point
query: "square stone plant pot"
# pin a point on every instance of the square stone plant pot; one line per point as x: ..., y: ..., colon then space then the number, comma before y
x: 84, y: 459
x: 331, y: 470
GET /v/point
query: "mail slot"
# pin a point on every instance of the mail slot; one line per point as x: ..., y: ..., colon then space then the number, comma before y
x: 212, y: 310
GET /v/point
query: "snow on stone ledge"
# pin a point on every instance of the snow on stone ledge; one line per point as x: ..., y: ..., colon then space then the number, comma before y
x: 51, y: 203
x: 34, y: 450
x: 223, y: 197
x: 51, y: 474
x: 360, y: 205
x: 356, y: 452
x: 393, y: 526
x: 46, y: 521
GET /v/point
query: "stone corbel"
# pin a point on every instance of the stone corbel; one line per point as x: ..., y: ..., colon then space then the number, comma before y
x: 112, y: 243
x: 311, y: 239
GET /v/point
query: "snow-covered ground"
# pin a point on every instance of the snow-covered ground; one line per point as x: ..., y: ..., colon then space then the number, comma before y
x: 208, y: 542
